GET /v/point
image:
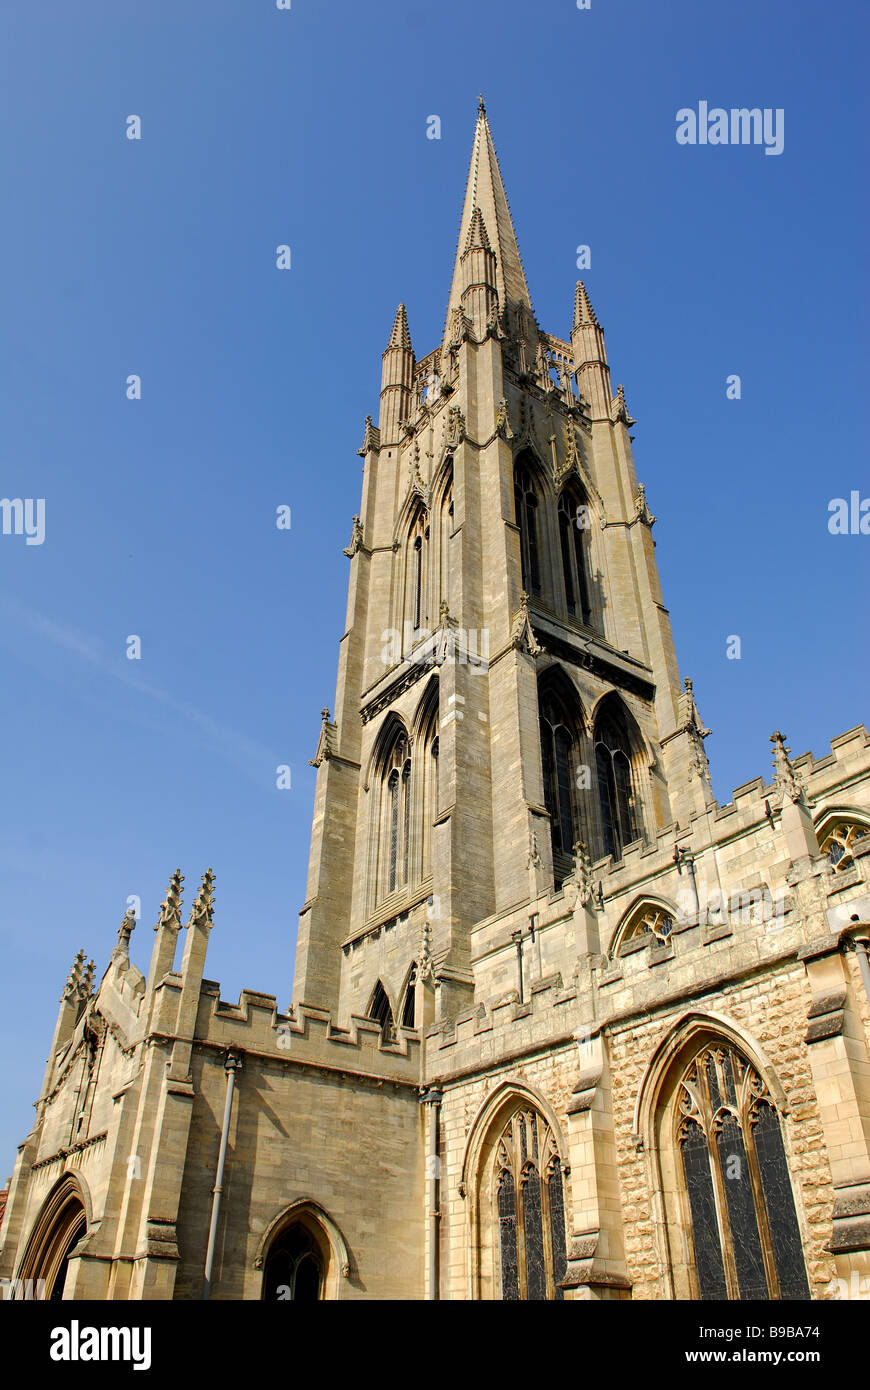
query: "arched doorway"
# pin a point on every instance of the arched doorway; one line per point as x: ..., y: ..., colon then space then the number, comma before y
x: 303, y: 1255
x: 60, y: 1226
x: 294, y: 1267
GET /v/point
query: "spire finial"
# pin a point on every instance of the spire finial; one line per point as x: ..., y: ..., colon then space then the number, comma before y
x: 481, y: 109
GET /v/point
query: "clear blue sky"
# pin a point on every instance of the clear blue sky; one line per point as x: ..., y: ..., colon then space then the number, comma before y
x: 157, y: 257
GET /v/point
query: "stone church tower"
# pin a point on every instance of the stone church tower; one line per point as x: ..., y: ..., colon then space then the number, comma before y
x: 563, y: 1027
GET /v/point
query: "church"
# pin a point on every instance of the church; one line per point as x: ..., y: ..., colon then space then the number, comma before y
x: 562, y: 1025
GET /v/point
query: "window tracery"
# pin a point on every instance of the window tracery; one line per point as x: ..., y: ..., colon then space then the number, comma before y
x: 743, y: 1224
x: 650, y: 921
x: 530, y: 1206
x: 838, y: 842
x: 617, y: 782
x: 528, y: 518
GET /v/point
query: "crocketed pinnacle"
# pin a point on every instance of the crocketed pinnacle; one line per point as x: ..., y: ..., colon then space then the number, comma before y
x: 583, y: 311
x: 202, y: 912
x: 400, y: 337
x: 477, y: 235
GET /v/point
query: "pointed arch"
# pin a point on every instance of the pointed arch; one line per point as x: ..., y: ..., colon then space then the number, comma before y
x: 710, y: 1115
x: 513, y: 1177
x: 532, y: 503
x: 840, y: 828
x: 63, y: 1220
x: 408, y: 998
x: 444, y: 512
x: 621, y: 775
x: 326, y: 1238
x: 392, y: 729
x: 380, y: 1009
x: 389, y: 774
x: 564, y: 741
x: 649, y: 917
x: 425, y: 807
x: 572, y: 508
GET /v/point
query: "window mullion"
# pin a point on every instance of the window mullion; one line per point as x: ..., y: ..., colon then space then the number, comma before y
x: 760, y: 1210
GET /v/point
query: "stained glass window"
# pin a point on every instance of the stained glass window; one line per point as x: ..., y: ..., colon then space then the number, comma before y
x: 744, y: 1231
x: 531, y: 1210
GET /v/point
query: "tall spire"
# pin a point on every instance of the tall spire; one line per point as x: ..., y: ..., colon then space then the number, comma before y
x: 486, y: 201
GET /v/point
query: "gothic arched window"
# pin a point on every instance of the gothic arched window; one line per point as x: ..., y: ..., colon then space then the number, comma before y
x: 527, y: 505
x: 416, y: 577
x: 561, y: 731
x: 648, y: 922
x: 617, y: 790
x: 575, y: 564
x: 530, y: 1206
x: 410, y: 1003
x: 446, y: 528
x: 837, y: 841
x: 395, y: 818
x: 380, y: 1010
x: 425, y: 810
x: 742, y: 1220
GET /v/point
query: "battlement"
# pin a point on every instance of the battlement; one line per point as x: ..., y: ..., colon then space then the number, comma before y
x: 305, y: 1035
x: 849, y: 756
x: 486, y: 1033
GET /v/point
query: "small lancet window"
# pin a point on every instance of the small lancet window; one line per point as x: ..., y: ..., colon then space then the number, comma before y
x: 620, y: 819
x: 527, y: 508
x: 572, y: 545
x: 395, y: 819
x: 409, y: 1006
x: 560, y: 728
x: 380, y: 1010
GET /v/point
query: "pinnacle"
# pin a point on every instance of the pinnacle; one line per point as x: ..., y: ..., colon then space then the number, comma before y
x: 400, y: 337
x: 477, y: 236
x: 202, y: 912
x: 583, y: 311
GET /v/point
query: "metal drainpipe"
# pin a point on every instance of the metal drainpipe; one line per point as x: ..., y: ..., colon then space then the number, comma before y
x: 432, y: 1098
x: 231, y: 1066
